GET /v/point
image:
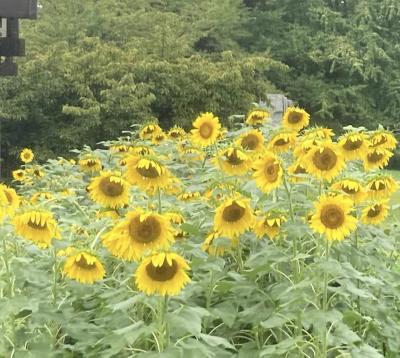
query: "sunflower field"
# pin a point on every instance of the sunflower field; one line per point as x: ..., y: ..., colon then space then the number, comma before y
x: 257, y: 241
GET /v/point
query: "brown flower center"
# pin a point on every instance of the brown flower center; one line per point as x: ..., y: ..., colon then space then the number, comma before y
x: 83, y: 264
x: 374, y: 211
x: 206, y: 130
x: 233, y: 159
x: 332, y: 216
x: 294, y: 117
x: 300, y: 170
x: 37, y: 226
x: 250, y: 142
x: 349, y: 191
x: 111, y: 188
x: 382, y: 140
x: 150, y: 172
x: 8, y: 196
x: 271, y: 170
x: 350, y: 145
x: 325, y: 160
x: 162, y: 273
x: 91, y: 163
x: 281, y: 142
x: 377, y: 186
x: 375, y: 157
x: 233, y: 212
x: 145, y: 231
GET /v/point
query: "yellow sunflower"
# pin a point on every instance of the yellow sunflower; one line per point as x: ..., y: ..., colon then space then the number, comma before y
x: 37, y: 226
x: 318, y: 133
x: 163, y: 274
x: 233, y: 217
x: 19, y: 175
x: 147, y: 173
x: 11, y: 200
x: 206, y: 130
x: 376, y: 213
x: 353, y: 188
x: 175, y: 218
x: 41, y: 196
x: 176, y: 133
x: 324, y: 161
x: 269, y: 225
x: 304, y: 146
x: 109, y: 190
x: 354, y: 145
x: 139, y: 232
x: 295, y: 171
x: 66, y: 252
x: 26, y: 155
x: 90, y: 165
x: 282, y: 142
x: 149, y: 130
x: 36, y: 172
x: 381, y: 187
x: 332, y: 217
x: 257, y: 116
x: 233, y: 161
x: 295, y: 119
x: 268, y: 172
x: 158, y: 138
x: 119, y: 148
x: 376, y: 157
x: 189, y: 154
x: 383, y: 139
x: 252, y: 141
x: 190, y: 196
x: 84, y: 267
x: 141, y: 150
x: 213, y: 248
x: 110, y: 213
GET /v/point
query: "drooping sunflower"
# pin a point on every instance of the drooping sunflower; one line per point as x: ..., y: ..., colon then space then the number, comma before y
x: 26, y: 155
x: 176, y: 133
x: 109, y: 189
x: 163, y: 274
x: 84, y: 267
x: 296, y: 171
x: 321, y: 133
x: 257, y: 116
x: 212, y: 247
x: 119, y: 148
x: 41, y: 196
x: 352, y: 187
x: 251, y: 141
x: 189, y: 153
x: 383, y: 139
x: 19, y: 175
x: 141, y: 150
x: 37, y: 226
x: 324, y: 161
x: 68, y: 251
x: 233, y: 217
x: 37, y: 172
x: 206, y: 130
x: 295, y: 119
x: 90, y: 165
x: 190, y: 196
x: 376, y: 157
x: 139, y: 232
x: 332, y: 217
x: 175, y: 218
x: 376, y: 213
x: 381, y: 187
x: 282, y: 142
x: 270, y: 225
x: 268, y: 172
x: 149, y: 130
x: 233, y: 161
x: 108, y: 213
x: 304, y: 146
x: 354, y: 145
x: 12, y: 200
x: 147, y: 173
x: 158, y: 138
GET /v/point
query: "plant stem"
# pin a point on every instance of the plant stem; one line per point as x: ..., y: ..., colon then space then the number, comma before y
x: 55, y: 269
x: 159, y: 201
x: 325, y: 302
x: 163, y: 325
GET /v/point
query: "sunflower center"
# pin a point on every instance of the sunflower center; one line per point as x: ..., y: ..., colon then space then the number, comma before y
x: 27, y: 155
x: 145, y: 231
x: 383, y: 140
x: 348, y: 190
x: 91, y: 163
x: 325, y: 160
x: 150, y: 172
x: 84, y: 264
x: 294, y: 117
x: 233, y: 159
x: 281, y: 142
x: 174, y: 134
x: 374, y: 211
x: 162, y: 273
x: 110, y: 188
x: 375, y: 157
x: 352, y: 145
x: 300, y: 170
x: 378, y: 186
x: 233, y: 212
x: 37, y: 226
x: 274, y: 224
x: 9, y: 197
x: 271, y: 170
x: 250, y: 142
x: 332, y: 216
x: 206, y: 130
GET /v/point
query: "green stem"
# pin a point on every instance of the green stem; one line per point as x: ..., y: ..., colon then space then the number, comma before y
x: 358, y: 281
x: 55, y: 269
x: 239, y: 258
x: 288, y: 193
x: 163, y: 324
x: 159, y: 201
x: 325, y: 301
x: 7, y: 265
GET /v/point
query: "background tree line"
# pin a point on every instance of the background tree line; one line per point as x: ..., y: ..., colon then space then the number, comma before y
x: 95, y: 67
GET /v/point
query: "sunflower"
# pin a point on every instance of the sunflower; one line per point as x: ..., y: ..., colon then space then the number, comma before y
x: 189, y: 196
x: 206, y: 129
x: 252, y: 140
x: 90, y: 165
x: 37, y: 226
x: 212, y: 247
x: 26, y: 155
x: 318, y: 133
x: 11, y: 200
x: 304, y: 146
x: 233, y: 217
x: 109, y: 190
x: 295, y: 119
x: 109, y: 213
x: 282, y: 142
x: 149, y: 130
x: 175, y: 218
x: 324, y: 161
x: 269, y: 225
x: 383, y: 139
x: 352, y: 188
x: 376, y: 157
x: 295, y: 171
x: 158, y: 138
x: 84, y: 267
x: 257, y: 116
x: 233, y: 161
x: 19, y: 175
x: 190, y: 154
x: 36, y: 172
x: 147, y: 173
x: 66, y: 252
x: 176, y: 133
x: 163, y: 274
x: 268, y: 172
x: 139, y: 232
x: 332, y: 217
x: 119, y: 148
x: 354, y: 145
x: 141, y: 150
x: 41, y: 196
x: 374, y: 214
x: 381, y: 187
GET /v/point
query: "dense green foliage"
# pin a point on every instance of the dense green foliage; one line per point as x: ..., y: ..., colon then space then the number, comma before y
x: 93, y: 68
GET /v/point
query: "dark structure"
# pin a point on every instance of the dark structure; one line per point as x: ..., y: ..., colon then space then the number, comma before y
x: 10, y: 43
